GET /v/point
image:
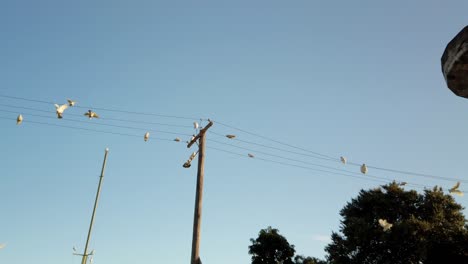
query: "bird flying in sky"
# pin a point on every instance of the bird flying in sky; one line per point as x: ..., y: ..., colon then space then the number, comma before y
x: 19, y: 119
x: 455, y: 189
x: 59, y: 110
x: 91, y: 114
x: 343, y: 160
x: 71, y: 102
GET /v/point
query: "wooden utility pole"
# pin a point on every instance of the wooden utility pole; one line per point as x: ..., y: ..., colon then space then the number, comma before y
x: 201, y: 137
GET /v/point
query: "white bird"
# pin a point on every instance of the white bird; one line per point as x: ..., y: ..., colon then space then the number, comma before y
x: 230, y: 136
x: 455, y: 189
x: 177, y: 139
x: 59, y: 109
x: 195, y: 125
x: 146, y: 136
x: 19, y: 119
x: 91, y: 114
x: 251, y: 155
x: 363, y: 169
x: 343, y: 160
x: 385, y: 225
x: 71, y: 102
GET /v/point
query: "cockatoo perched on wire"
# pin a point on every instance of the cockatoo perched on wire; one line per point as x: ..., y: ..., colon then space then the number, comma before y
x: 343, y: 160
x: 71, y: 102
x: 385, y: 225
x: 363, y: 169
x: 455, y: 189
x: 231, y: 136
x: 147, y: 134
x: 250, y: 155
x: 195, y: 125
x: 59, y: 110
x: 177, y: 139
x: 91, y: 114
x: 19, y: 119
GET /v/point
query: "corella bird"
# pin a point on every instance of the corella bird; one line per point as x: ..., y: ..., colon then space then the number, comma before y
x: 19, y: 119
x: 251, y: 155
x: 385, y: 225
x: 455, y: 189
x: 195, y: 125
x: 363, y: 169
x: 59, y: 110
x: 71, y: 102
x: 91, y: 114
x: 146, y: 136
x: 231, y: 136
x: 177, y: 139
x: 343, y: 160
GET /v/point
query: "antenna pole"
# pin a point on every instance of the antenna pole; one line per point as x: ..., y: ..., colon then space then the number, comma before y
x: 85, y: 254
x: 195, y: 258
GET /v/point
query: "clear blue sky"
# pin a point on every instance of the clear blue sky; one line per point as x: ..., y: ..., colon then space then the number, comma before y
x: 338, y: 78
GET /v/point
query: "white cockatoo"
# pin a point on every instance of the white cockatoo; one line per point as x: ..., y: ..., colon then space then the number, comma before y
x: 385, y: 225
x: 231, y: 136
x: 455, y: 189
x: 343, y: 160
x: 146, y: 136
x: 19, y: 119
x: 195, y: 125
x: 59, y: 109
x: 91, y: 114
x: 250, y: 155
x: 71, y: 102
x: 177, y: 139
x: 363, y: 169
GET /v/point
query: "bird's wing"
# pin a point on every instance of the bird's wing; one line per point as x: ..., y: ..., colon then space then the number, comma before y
x: 456, y: 186
x: 56, y: 106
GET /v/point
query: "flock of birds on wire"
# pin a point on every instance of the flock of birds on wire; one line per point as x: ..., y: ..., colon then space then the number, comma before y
x: 60, y: 109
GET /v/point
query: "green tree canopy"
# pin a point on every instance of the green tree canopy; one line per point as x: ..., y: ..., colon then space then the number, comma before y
x: 271, y: 248
x: 426, y: 228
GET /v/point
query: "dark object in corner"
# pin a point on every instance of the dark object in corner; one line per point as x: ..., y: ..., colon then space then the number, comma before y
x: 455, y: 64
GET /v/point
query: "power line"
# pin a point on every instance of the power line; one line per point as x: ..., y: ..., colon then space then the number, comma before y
x: 82, y: 128
x: 275, y: 148
x: 101, y: 108
x: 323, y: 166
x: 102, y: 118
x: 316, y: 155
x: 331, y: 158
x: 373, y: 178
x: 102, y: 124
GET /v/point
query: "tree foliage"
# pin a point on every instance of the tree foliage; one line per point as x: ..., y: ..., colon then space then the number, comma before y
x: 427, y: 228
x: 271, y: 248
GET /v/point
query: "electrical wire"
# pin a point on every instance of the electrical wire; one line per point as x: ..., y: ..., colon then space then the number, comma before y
x: 83, y: 128
x: 102, y: 124
x: 319, y: 165
x: 101, y: 108
x: 316, y: 155
x: 105, y: 118
x: 375, y: 179
x: 329, y: 158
